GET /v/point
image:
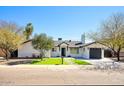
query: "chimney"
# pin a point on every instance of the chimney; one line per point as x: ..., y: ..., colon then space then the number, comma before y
x: 59, y: 39
x: 83, y: 38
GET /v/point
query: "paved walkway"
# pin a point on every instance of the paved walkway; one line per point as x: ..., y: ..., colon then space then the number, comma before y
x: 58, y: 75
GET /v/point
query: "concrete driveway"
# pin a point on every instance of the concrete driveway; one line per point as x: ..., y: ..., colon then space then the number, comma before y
x: 58, y: 75
x: 97, y: 61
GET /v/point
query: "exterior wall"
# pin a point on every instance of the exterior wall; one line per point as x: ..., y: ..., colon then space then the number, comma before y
x: 48, y: 53
x: 102, y: 53
x: 85, y: 52
x: 27, y: 50
x: 74, y: 55
x: 57, y: 53
x: 63, y: 46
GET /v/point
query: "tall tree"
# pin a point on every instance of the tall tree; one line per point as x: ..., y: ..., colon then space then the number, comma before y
x: 28, y: 30
x: 10, y: 38
x: 42, y: 43
x: 111, y: 33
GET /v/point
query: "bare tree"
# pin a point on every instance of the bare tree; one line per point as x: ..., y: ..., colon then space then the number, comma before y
x: 13, y: 27
x: 10, y: 39
x: 111, y: 33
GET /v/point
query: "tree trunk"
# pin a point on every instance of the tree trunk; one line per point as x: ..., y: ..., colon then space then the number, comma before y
x: 41, y: 54
x: 41, y: 57
x: 115, y: 54
x: 7, y: 56
x: 118, y: 55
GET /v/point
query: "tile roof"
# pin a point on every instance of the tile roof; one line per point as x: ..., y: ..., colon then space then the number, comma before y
x: 87, y: 44
x: 69, y: 43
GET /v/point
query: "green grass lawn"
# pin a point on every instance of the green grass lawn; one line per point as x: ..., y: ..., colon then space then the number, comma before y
x: 79, y: 62
x: 58, y: 61
x: 49, y: 61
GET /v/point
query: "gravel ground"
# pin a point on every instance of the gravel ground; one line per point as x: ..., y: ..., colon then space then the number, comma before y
x: 58, y: 75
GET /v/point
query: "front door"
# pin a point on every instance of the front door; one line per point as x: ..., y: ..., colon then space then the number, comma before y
x: 63, y: 52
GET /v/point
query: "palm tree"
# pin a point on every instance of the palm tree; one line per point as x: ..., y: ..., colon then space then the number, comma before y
x: 28, y: 30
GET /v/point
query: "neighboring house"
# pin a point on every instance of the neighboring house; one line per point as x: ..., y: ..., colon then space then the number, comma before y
x: 27, y: 50
x: 78, y: 49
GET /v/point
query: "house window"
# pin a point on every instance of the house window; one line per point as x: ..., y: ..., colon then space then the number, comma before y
x: 53, y: 49
x: 83, y: 49
x: 74, y: 50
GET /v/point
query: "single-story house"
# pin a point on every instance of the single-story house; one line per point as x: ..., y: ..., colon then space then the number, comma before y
x: 66, y: 48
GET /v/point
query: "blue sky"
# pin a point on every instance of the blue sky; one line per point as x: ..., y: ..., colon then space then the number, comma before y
x: 65, y: 22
